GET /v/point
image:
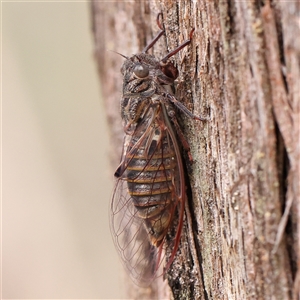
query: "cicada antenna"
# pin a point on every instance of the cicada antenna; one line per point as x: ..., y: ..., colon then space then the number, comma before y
x: 119, y: 54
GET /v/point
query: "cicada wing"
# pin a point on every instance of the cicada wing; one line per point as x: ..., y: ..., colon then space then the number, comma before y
x: 138, y: 255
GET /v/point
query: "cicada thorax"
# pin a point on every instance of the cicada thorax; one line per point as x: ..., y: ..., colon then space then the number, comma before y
x: 152, y: 174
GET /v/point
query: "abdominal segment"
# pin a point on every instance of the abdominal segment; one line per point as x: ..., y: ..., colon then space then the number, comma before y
x: 150, y: 183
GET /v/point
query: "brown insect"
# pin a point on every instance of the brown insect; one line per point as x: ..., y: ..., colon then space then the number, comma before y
x: 150, y: 187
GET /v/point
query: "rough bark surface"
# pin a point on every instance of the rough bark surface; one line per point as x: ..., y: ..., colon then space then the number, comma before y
x: 242, y: 70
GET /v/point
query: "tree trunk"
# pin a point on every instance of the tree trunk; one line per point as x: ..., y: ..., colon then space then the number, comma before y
x: 242, y: 71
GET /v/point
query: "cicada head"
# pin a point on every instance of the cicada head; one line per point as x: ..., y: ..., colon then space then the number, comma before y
x: 144, y: 67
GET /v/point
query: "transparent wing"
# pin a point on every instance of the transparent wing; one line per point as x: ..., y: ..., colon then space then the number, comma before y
x: 138, y: 255
x: 141, y: 258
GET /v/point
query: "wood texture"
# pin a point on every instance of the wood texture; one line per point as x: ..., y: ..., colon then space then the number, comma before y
x: 242, y: 71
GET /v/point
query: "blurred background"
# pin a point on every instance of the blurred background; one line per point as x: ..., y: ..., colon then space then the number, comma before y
x: 56, y: 177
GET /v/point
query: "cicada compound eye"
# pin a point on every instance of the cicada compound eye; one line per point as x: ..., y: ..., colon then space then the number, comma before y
x: 141, y: 71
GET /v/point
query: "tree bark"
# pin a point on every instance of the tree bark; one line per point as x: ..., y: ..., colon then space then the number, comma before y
x: 242, y: 71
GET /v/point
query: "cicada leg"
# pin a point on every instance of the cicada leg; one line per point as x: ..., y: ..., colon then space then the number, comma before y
x: 156, y: 38
x: 176, y: 50
x: 160, y: 33
x: 179, y: 105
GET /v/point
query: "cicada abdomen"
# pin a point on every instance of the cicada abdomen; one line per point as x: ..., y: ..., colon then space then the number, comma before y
x: 150, y: 190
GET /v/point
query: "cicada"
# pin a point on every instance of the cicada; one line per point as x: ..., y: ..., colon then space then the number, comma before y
x: 149, y: 196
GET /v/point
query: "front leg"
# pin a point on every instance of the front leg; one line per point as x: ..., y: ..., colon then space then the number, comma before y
x: 179, y: 105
